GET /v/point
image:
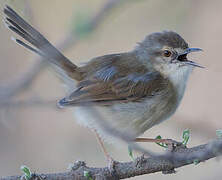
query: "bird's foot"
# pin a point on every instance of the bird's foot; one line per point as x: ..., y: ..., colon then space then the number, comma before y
x: 140, y: 161
x: 111, y: 166
x: 172, y: 144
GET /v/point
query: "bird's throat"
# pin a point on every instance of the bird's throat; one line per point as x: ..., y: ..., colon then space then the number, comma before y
x: 179, y: 80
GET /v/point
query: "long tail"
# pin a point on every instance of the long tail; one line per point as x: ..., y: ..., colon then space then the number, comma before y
x: 41, y: 45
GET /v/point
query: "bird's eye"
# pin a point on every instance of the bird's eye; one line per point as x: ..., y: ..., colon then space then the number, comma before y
x: 167, y: 53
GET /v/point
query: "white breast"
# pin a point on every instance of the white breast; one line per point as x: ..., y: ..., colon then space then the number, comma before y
x: 179, y: 79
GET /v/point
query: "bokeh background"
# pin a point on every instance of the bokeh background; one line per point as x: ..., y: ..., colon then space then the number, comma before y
x: 34, y: 132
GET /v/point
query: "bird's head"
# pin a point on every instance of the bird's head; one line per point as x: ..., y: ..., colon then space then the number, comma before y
x: 167, y: 51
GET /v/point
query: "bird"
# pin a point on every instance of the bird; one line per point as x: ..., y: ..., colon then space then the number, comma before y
x: 133, y: 91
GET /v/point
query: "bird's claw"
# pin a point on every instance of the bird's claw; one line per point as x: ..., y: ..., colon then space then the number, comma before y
x: 140, y: 161
x: 172, y: 144
x: 111, y: 166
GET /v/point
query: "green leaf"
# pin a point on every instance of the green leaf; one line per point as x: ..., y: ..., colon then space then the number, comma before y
x: 196, y: 161
x: 27, y: 172
x: 161, y: 144
x: 87, y: 175
x: 219, y: 133
x: 158, y: 137
x: 186, y: 137
x: 130, y: 151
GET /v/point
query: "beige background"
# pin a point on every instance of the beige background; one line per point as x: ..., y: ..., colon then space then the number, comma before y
x: 47, y: 139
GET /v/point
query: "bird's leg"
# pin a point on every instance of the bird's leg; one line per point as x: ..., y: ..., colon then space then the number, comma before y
x: 169, y: 142
x: 166, y: 141
x: 111, y: 162
x: 102, y: 145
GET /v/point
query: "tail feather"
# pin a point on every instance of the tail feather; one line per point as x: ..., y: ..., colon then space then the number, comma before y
x: 42, y: 46
x: 18, y: 41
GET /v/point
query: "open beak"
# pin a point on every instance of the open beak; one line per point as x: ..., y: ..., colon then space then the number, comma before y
x: 183, y: 57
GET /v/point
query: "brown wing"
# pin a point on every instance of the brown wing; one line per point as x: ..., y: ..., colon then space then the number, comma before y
x: 114, y: 82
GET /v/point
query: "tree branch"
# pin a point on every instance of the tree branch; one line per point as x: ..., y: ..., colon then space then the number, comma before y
x: 165, y: 163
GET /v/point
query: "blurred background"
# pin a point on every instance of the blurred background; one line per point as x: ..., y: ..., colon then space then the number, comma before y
x: 34, y: 132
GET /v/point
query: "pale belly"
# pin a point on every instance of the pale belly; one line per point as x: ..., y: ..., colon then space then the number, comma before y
x: 130, y: 119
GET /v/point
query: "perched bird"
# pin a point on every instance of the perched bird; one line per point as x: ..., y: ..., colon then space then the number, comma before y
x: 134, y: 90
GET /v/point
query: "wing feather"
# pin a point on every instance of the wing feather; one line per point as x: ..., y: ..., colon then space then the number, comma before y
x: 112, y: 84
